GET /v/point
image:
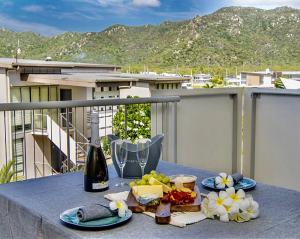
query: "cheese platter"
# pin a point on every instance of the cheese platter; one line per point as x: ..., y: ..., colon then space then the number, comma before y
x: 163, y: 195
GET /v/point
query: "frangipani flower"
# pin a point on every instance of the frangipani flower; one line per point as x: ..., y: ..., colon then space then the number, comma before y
x: 206, y: 210
x: 218, y: 202
x: 237, y: 197
x: 239, y: 217
x: 250, y: 207
x: 223, y: 181
x: 230, y: 206
x: 119, y: 205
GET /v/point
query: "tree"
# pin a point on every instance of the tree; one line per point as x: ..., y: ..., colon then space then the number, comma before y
x: 138, y: 121
x: 278, y: 84
x: 7, y: 173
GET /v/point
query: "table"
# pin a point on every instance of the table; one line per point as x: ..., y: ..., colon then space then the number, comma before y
x: 30, y: 209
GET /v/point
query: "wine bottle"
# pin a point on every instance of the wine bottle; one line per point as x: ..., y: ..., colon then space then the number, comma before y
x: 96, y: 173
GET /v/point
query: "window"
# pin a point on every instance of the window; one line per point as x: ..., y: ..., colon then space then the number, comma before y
x: 18, y: 156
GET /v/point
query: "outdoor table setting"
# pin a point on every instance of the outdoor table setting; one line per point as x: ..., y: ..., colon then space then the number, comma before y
x: 142, y: 196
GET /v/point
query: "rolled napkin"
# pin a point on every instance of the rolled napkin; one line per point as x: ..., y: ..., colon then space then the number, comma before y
x: 95, y: 211
x: 237, y: 177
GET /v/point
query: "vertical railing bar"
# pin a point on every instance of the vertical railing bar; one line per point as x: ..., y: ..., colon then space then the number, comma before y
x: 15, y: 145
x: 174, y: 122
x: 83, y: 120
x: 156, y: 119
x: 60, y: 152
x: 24, y: 147
x: 125, y: 123
x: 5, y: 139
x: 68, y: 141
x: 33, y: 126
x: 112, y: 119
x: 51, y: 137
x: 104, y: 121
x: 43, y: 143
x: 75, y: 135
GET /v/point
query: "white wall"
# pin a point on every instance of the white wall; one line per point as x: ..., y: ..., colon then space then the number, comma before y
x: 208, y: 128
x: 5, y: 146
x: 141, y: 90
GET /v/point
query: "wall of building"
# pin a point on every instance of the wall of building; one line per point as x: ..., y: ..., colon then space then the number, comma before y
x: 5, y: 136
x: 141, y: 89
x: 38, y: 156
x: 253, y: 80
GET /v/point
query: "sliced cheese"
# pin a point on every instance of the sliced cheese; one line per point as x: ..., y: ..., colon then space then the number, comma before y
x: 154, y: 181
x: 148, y: 191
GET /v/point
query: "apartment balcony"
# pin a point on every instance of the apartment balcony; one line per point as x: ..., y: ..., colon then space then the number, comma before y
x: 248, y: 130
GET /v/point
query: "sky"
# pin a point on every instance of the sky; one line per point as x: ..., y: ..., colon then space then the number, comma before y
x: 51, y: 17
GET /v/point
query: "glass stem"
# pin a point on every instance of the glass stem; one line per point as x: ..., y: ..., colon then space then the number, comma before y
x: 122, y: 172
x: 143, y: 168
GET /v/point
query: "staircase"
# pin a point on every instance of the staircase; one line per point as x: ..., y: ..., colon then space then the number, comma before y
x: 58, y: 134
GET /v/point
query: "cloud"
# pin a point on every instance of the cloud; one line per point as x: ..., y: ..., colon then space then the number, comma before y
x: 146, y: 3
x: 33, y: 8
x: 6, y: 3
x: 266, y: 4
x: 22, y: 26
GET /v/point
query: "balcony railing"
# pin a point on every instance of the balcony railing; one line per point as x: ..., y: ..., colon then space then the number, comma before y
x: 53, y: 142
x: 249, y: 130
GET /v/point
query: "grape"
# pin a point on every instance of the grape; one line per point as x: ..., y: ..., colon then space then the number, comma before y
x: 139, y: 182
x: 166, y: 180
x: 143, y: 182
x: 131, y: 184
x: 146, y: 177
x: 153, y: 172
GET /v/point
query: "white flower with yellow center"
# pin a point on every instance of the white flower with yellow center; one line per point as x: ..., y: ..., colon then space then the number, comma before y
x: 250, y: 207
x: 206, y: 210
x: 119, y: 205
x: 223, y: 181
x: 237, y: 197
x: 218, y: 202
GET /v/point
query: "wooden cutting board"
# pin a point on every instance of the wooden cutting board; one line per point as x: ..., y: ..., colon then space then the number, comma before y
x: 134, y: 206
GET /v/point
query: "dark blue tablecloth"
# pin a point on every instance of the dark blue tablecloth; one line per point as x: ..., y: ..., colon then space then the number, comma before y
x: 31, y: 209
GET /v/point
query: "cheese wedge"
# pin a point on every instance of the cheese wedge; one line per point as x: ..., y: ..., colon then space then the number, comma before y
x: 148, y: 191
x: 154, y: 181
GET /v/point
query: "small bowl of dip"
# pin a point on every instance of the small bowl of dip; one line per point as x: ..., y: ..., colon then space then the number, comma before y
x: 187, y: 181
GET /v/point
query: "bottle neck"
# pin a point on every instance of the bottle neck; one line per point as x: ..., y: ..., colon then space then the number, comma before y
x: 95, y: 139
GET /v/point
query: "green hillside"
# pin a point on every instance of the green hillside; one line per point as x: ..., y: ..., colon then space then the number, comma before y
x: 229, y: 37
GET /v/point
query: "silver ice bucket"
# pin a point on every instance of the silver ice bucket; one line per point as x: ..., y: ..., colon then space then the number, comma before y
x: 132, y: 168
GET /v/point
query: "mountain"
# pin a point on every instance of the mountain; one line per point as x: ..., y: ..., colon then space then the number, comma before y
x: 228, y: 37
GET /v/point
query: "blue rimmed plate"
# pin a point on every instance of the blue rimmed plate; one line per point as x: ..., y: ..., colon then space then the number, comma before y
x: 245, y: 184
x: 70, y: 219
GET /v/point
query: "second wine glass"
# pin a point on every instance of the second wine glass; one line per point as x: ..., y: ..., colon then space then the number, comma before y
x: 121, y: 153
x: 142, y: 152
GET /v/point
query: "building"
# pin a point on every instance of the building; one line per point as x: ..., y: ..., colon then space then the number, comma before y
x: 266, y: 78
x: 37, y: 80
x: 234, y: 81
x: 201, y: 79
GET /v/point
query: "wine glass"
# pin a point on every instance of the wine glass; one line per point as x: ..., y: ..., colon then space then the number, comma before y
x: 121, y: 153
x: 142, y: 152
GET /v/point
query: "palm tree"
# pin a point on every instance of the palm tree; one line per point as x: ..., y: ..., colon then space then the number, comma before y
x: 207, y: 85
x: 7, y: 173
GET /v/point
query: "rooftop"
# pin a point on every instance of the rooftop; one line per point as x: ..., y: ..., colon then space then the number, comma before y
x: 11, y: 63
x: 91, y: 79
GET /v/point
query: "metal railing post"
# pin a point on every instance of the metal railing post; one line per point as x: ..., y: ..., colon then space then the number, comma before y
x: 68, y: 141
x: 174, y: 130
x: 125, y: 123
